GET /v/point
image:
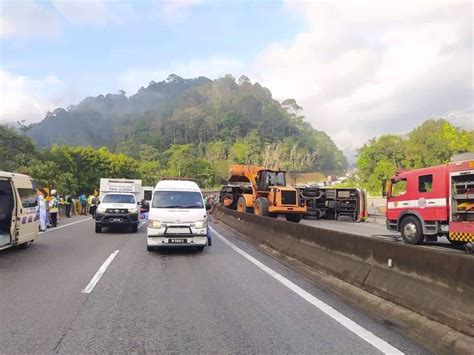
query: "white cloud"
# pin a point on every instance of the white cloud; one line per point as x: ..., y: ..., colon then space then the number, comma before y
x: 27, y: 18
x: 133, y: 79
x: 24, y: 98
x: 92, y: 12
x: 32, y: 19
x: 372, y: 67
x: 175, y: 10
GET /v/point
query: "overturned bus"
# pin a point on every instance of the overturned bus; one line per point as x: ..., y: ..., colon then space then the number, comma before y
x: 332, y: 203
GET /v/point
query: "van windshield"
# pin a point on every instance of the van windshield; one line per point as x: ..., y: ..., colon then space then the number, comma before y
x: 177, y: 199
x: 118, y: 198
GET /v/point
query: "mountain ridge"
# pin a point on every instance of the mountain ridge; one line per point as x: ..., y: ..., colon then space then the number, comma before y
x: 197, y: 111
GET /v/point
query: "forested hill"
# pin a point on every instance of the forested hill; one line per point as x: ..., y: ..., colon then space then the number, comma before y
x: 224, y: 120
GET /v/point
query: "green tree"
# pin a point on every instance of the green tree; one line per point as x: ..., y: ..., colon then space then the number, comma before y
x: 16, y: 150
x: 180, y: 160
x: 432, y: 143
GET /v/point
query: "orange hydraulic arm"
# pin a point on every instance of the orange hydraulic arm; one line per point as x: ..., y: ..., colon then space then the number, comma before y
x: 245, y: 173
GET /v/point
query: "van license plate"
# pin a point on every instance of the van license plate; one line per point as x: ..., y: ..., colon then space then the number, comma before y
x: 116, y: 220
x: 177, y: 241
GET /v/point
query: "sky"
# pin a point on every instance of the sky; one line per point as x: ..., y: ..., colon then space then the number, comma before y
x: 358, y: 68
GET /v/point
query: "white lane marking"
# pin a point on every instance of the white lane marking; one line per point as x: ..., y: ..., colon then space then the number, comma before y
x: 368, y: 336
x: 141, y: 224
x: 90, y: 286
x: 66, y: 225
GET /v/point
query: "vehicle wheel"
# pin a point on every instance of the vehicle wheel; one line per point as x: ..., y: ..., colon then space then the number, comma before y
x: 294, y: 217
x: 134, y: 228
x: 261, y: 207
x: 242, y: 206
x: 150, y: 248
x: 98, y: 229
x: 273, y: 215
x: 312, y: 193
x: 411, y: 230
x: 25, y: 245
x: 200, y: 248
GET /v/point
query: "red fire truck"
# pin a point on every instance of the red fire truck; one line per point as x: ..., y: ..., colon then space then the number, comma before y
x: 432, y: 202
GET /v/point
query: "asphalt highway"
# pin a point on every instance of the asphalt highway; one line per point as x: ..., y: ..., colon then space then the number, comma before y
x: 231, y: 298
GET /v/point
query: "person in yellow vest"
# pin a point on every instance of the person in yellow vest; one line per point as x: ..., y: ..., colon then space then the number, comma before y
x: 53, y: 208
x: 89, y: 203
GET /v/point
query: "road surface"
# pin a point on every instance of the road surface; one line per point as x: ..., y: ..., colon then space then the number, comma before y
x: 228, y: 299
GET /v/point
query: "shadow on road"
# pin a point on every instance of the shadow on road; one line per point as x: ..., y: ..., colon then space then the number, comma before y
x: 178, y: 251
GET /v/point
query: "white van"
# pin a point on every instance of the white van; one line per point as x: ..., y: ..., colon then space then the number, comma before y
x: 19, y: 215
x: 177, y: 217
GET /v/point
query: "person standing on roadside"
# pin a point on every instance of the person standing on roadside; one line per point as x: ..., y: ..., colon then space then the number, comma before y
x: 42, y: 212
x: 89, y: 203
x: 83, y: 202
x: 68, y: 201
x: 53, y: 208
x: 93, y: 206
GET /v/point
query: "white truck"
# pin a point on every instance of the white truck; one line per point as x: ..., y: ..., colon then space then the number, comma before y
x: 121, y: 185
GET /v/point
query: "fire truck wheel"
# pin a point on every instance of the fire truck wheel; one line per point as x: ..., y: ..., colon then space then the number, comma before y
x: 261, y: 207
x: 412, y: 232
x: 457, y: 242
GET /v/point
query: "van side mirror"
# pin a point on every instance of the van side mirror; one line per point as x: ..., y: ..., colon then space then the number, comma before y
x: 208, y: 206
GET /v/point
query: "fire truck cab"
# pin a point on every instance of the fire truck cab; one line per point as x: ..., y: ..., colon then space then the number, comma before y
x: 432, y: 202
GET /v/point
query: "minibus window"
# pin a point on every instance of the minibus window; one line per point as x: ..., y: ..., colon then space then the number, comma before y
x: 28, y: 198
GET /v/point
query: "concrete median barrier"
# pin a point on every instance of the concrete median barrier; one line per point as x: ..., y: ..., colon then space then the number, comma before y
x: 436, y: 284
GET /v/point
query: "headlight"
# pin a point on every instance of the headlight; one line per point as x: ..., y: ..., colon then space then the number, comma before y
x: 101, y: 210
x: 200, y: 224
x: 133, y: 210
x: 154, y: 224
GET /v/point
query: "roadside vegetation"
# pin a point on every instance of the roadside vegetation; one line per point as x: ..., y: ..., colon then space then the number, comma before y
x: 434, y: 142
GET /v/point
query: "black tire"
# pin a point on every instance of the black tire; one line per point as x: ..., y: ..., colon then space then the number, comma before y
x: 261, y: 207
x: 98, y: 229
x: 150, y: 248
x: 25, y: 245
x: 134, y: 228
x: 411, y: 230
x: 242, y: 206
x: 200, y: 248
x: 293, y: 217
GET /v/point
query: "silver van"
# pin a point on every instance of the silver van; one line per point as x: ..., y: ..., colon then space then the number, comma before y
x: 19, y: 215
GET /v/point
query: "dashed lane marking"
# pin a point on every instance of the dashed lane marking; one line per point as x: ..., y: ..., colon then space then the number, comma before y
x: 90, y: 286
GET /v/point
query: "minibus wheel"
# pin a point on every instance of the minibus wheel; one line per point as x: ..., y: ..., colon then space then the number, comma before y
x: 25, y: 245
